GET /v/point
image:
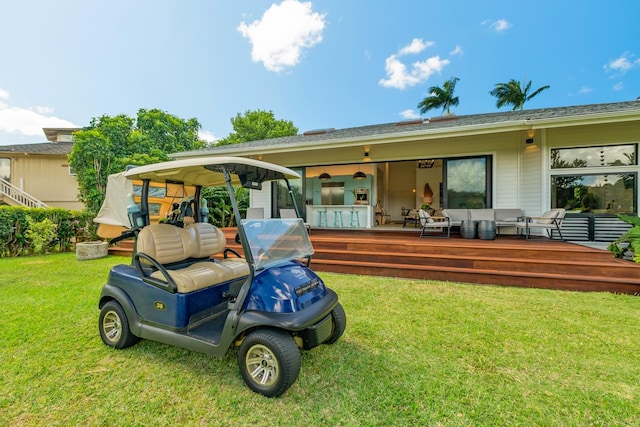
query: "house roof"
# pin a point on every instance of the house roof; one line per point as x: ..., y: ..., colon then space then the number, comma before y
x: 52, y: 148
x: 53, y: 134
x: 444, y: 126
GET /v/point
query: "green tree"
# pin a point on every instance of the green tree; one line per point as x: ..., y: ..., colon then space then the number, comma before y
x: 512, y: 93
x: 441, y: 97
x: 93, y: 156
x: 257, y: 125
x: 109, y: 144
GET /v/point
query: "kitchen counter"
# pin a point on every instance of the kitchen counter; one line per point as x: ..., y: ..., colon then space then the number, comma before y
x: 365, y: 213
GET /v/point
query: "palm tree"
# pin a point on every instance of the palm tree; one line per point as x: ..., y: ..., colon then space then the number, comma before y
x: 511, y: 93
x: 440, y: 97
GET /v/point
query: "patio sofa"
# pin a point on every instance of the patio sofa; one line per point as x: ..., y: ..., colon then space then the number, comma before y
x: 504, y: 217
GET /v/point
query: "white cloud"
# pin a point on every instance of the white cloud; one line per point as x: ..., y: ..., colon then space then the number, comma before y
x: 400, y: 77
x: 456, y: 51
x: 622, y: 64
x: 497, y: 26
x: 501, y: 25
x: 409, y: 114
x: 205, y: 135
x: 618, y: 86
x: 279, y: 37
x: 416, y: 46
x: 584, y: 90
x: 28, y: 121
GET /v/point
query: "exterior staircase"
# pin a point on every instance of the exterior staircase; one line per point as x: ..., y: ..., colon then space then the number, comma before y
x: 12, y: 195
x: 508, y: 260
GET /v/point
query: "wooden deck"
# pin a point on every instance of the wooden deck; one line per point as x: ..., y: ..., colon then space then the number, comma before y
x: 507, y: 261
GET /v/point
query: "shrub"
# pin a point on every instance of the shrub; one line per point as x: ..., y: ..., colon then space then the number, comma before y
x: 16, y: 237
x: 40, y: 234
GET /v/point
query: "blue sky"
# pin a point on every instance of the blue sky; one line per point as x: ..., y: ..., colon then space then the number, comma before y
x: 320, y: 64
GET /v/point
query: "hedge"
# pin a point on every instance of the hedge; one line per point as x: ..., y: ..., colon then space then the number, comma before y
x: 18, y: 237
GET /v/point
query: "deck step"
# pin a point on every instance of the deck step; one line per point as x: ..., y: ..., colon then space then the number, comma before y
x: 508, y: 261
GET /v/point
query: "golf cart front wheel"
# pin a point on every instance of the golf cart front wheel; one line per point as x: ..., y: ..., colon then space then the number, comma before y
x: 269, y: 361
x: 339, y: 324
x: 114, y: 326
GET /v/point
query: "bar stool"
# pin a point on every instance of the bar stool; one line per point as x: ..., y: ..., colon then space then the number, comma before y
x: 337, y: 219
x: 354, y: 218
x: 322, y: 218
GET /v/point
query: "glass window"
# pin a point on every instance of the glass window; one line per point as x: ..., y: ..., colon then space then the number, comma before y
x: 467, y: 183
x: 585, y: 157
x: 594, y: 193
x: 155, y: 192
x: 5, y: 169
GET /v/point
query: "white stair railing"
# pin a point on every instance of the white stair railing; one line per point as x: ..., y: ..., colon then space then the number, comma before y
x: 12, y: 192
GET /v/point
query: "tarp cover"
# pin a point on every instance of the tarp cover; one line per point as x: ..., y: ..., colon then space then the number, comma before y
x: 114, y: 207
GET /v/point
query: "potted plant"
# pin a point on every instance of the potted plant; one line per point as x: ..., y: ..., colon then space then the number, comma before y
x: 628, y: 245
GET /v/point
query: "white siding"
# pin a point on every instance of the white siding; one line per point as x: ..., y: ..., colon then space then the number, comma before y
x: 261, y: 199
x: 531, y: 201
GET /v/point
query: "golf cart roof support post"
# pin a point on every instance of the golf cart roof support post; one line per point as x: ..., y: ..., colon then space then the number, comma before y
x: 293, y: 199
x: 144, y: 201
x: 196, y: 204
x: 232, y: 196
x: 244, y: 290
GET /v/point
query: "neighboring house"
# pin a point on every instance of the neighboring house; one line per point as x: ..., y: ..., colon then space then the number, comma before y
x: 39, y: 174
x: 582, y: 158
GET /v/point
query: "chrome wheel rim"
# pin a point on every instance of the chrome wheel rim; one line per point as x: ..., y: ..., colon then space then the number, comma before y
x: 262, y: 365
x: 112, y: 326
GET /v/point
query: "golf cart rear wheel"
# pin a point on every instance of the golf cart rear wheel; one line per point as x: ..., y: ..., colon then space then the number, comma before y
x: 269, y: 361
x: 114, y: 326
x: 339, y: 319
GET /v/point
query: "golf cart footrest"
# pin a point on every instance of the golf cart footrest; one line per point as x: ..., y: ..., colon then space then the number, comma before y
x: 317, y: 334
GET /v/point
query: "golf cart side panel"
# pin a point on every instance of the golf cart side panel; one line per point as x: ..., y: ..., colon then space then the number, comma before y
x: 110, y: 293
x: 158, y: 334
x: 160, y: 307
x: 296, y: 321
x: 285, y: 288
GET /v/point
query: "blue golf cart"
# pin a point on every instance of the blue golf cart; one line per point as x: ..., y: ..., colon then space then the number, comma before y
x: 185, y: 287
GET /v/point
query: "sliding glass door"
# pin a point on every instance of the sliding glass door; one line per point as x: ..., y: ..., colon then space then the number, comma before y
x: 467, y: 183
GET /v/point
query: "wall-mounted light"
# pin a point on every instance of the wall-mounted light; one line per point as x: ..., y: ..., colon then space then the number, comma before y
x: 366, y: 158
x: 530, y: 134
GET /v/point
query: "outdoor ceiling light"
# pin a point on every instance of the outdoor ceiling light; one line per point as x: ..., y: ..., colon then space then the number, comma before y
x: 359, y: 175
x: 324, y: 176
x: 426, y: 164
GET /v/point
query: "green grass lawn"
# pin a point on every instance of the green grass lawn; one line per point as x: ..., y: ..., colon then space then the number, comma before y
x: 414, y: 353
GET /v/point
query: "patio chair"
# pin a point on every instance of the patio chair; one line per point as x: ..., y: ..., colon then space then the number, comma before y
x: 434, y: 223
x: 411, y: 217
x: 291, y: 213
x: 549, y: 221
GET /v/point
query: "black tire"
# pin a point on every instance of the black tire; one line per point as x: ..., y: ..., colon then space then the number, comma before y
x: 339, y: 318
x: 114, y: 326
x: 269, y: 361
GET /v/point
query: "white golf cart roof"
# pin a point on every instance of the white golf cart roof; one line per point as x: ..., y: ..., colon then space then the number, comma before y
x: 203, y: 171
x: 207, y: 171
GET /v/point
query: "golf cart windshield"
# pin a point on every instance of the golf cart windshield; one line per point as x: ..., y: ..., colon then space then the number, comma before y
x: 272, y: 241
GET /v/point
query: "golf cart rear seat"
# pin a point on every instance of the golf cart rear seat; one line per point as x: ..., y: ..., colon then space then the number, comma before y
x: 181, y: 257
